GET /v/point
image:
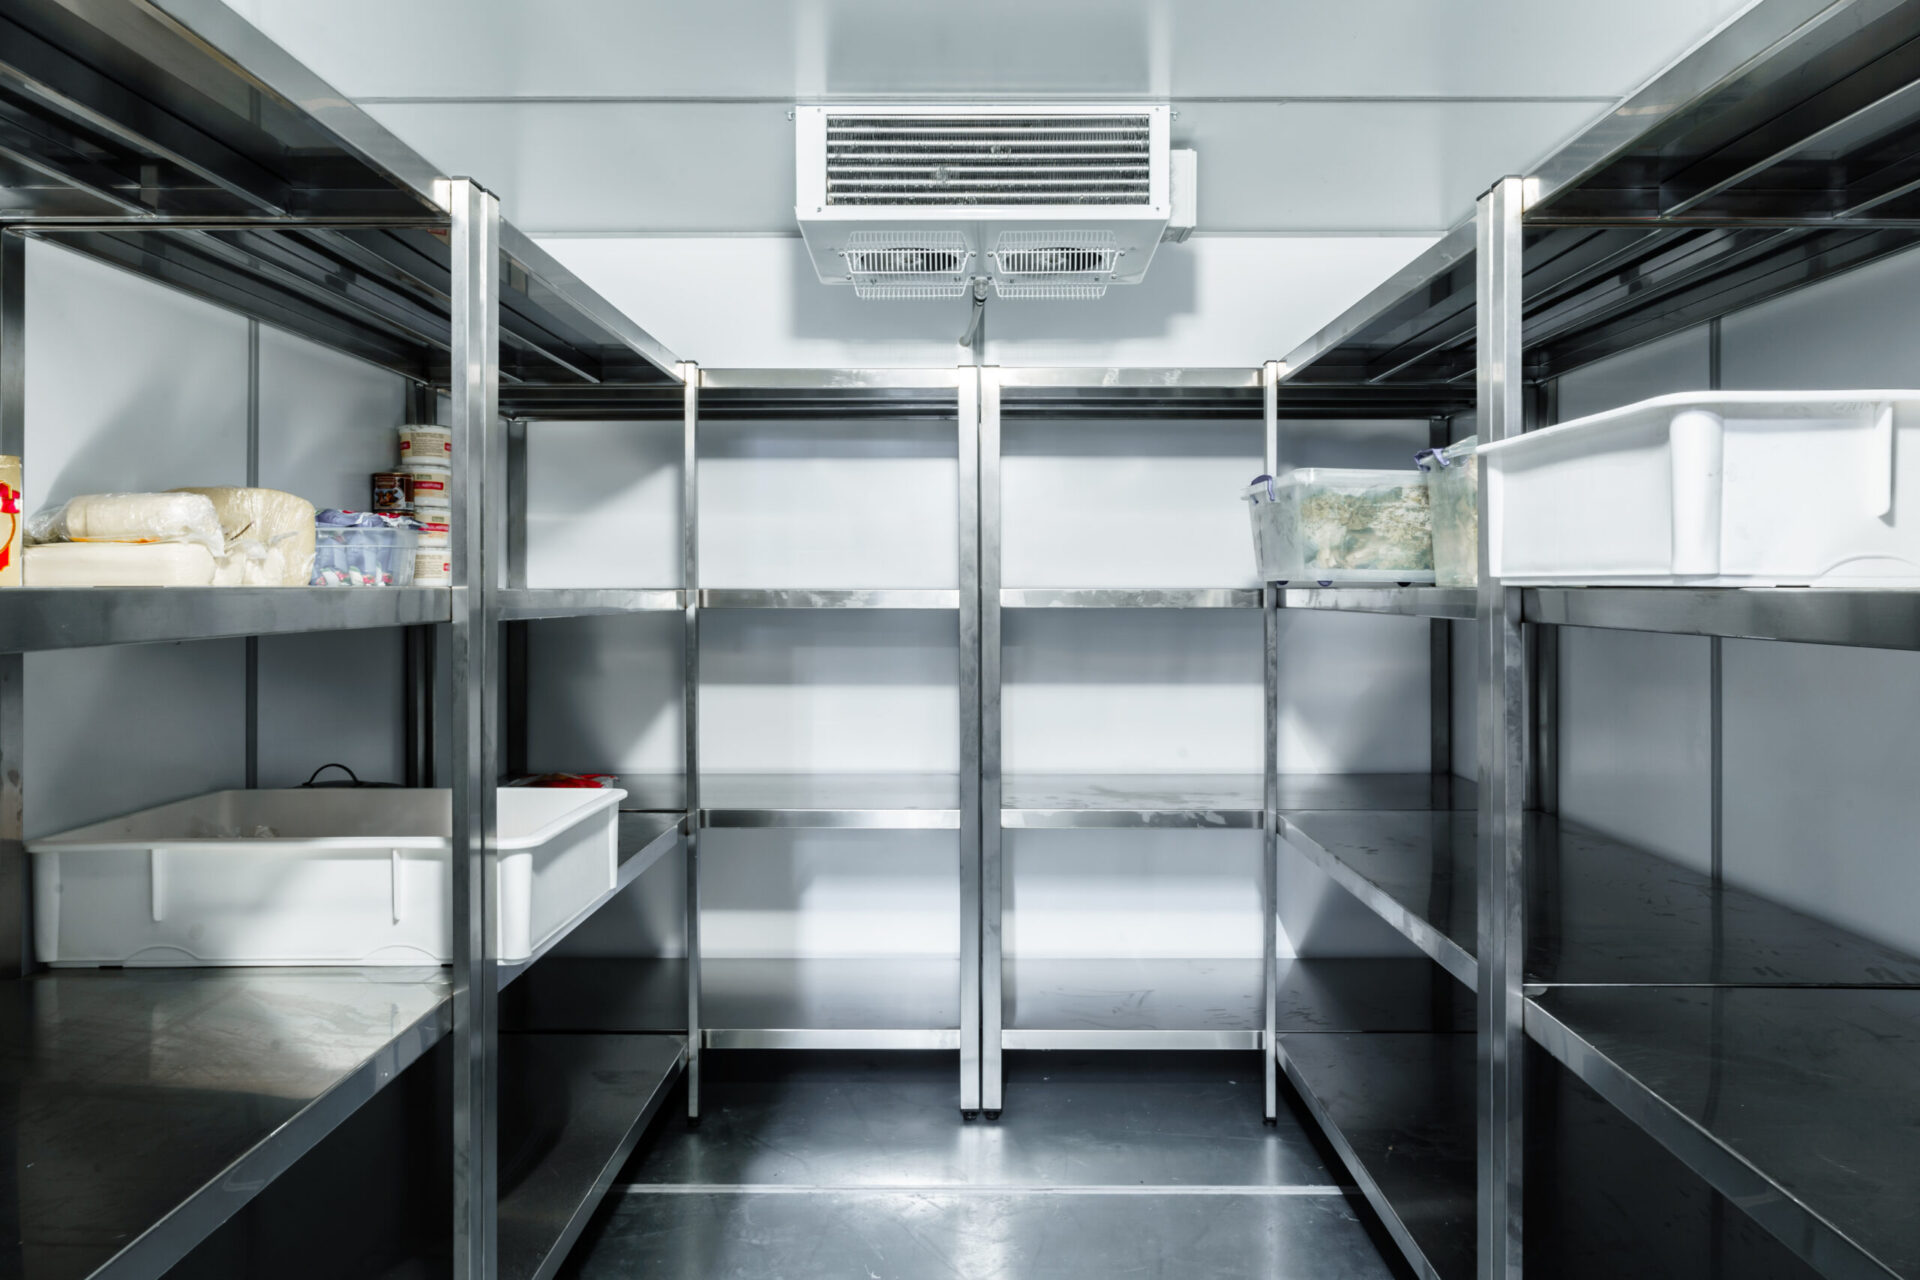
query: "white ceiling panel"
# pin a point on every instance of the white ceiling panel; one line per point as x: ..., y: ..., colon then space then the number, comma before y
x: 728, y: 167
x: 994, y: 48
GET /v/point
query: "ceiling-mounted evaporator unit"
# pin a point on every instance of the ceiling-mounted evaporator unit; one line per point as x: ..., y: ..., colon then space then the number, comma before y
x: 1045, y: 201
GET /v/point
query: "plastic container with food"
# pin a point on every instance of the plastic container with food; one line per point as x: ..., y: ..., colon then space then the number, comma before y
x: 364, y: 549
x: 1453, y: 491
x: 1324, y: 525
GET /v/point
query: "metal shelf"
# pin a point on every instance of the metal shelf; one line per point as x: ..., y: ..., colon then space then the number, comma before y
x: 885, y: 1002
x: 1399, y: 1110
x: 523, y: 604
x: 146, y: 1106
x: 1864, y: 619
x: 1130, y: 597
x: 1797, y: 1105
x: 1174, y: 1003
x: 893, y: 801
x: 1600, y: 911
x: 1222, y: 802
x: 40, y: 618
x: 1414, y: 870
x: 611, y: 1087
x: 294, y: 208
x: 644, y: 839
x: 828, y: 598
x: 1455, y: 603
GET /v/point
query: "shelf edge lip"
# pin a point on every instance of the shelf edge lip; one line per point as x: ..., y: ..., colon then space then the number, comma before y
x: 154, y: 1250
x: 1778, y: 1211
x: 905, y: 378
x: 746, y: 818
x: 1057, y: 818
x: 1356, y: 1168
x: 1130, y: 597
x: 1131, y: 1038
x: 1866, y: 619
x: 1143, y: 378
x: 50, y: 618
x: 829, y: 598
x: 526, y: 604
x: 1458, y: 604
x: 830, y: 1038
x: 1415, y: 928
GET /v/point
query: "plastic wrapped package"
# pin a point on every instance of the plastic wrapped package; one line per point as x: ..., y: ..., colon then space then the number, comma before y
x: 1453, y: 491
x: 131, y: 517
x: 269, y: 536
x: 364, y: 549
x: 120, y: 564
x: 1325, y: 525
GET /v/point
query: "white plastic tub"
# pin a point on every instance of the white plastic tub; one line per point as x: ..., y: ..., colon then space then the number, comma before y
x: 312, y: 876
x: 1327, y: 525
x: 1758, y: 488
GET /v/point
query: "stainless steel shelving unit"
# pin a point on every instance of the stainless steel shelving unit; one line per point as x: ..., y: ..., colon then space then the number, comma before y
x: 1758, y: 1046
x: 171, y: 139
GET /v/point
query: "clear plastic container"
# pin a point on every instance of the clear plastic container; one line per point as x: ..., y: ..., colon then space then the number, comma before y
x: 364, y: 549
x: 1453, y: 491
x: 1326, y: 526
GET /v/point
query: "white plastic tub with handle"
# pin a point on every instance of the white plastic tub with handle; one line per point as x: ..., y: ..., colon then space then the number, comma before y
x: 1701, y: 489
x: 312, y: 876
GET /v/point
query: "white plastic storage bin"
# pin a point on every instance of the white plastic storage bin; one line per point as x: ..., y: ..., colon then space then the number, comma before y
x: 1453, y: 491
x: 1747, y: 489
x: 312, y: 876
x: 1322, y: 525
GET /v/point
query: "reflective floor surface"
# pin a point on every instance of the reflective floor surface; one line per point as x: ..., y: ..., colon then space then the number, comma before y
x: 1102, y: 1165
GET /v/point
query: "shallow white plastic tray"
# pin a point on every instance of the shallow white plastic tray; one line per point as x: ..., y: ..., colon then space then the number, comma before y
x: 1748, y: 488
x: 312, y: 876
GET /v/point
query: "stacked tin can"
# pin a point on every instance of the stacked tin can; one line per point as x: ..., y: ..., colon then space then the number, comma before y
x: 423, y: 488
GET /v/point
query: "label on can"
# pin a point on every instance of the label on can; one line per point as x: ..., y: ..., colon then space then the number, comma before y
x: 12, y: 519
x: 393, y: 492
x: 431, y: 565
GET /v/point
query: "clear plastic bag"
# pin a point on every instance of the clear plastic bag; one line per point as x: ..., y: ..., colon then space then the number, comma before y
x: 131, y: 517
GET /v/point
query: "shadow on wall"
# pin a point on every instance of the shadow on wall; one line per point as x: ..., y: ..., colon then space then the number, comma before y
x: 1145, y: 310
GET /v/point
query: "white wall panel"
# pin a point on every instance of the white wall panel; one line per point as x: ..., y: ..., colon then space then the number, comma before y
x: 782, y: 48
x: 853, y: 504
x: 1127, y: 503
x: 604, y: 695
x: 326, y: 422
x: 604, y: 504
x: 129, y: 387
x: 834, y: 691
x: 754, y: 302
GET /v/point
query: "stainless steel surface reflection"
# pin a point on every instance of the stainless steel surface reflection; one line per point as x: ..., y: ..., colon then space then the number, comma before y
x: 142, y: 1108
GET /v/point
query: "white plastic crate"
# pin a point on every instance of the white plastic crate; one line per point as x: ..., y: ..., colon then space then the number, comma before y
x: 312, y: 876
x: 1332, y: 525
x: 1757, y: 488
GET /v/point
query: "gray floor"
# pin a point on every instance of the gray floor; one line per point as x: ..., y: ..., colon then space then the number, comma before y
x: 1101, y: 1166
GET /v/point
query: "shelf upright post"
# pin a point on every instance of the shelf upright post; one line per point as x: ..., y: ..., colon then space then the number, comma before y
x: 1440, y: 668
x: 690, y: 715
x: 1270, y: 770
x: 967, y: 410
x: 514, y: 636
x: 992, y: 903
x: 418, y: 644
x: 16, y: 938
x: 475, y: 384
x: 1503, y: 762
